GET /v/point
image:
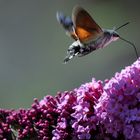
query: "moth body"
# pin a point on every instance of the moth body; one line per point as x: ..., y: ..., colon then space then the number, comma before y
x: 81, y: 49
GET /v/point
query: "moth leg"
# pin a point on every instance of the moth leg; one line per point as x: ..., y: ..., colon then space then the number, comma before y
x: 69, y: 57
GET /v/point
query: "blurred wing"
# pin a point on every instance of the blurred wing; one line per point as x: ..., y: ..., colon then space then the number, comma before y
x: 67, y: 24
x: 85, y: 27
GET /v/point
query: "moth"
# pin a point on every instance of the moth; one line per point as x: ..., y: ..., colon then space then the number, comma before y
x: 88, y: 35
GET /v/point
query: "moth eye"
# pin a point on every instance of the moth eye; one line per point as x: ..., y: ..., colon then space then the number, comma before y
x: 115, y: 35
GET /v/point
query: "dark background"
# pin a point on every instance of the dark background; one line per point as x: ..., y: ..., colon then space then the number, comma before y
x: 33, y: 46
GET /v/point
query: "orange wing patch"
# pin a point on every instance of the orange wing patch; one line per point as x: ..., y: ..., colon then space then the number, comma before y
x: 83, y: 34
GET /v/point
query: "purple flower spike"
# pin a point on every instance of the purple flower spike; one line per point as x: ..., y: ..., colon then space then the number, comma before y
x: 84, y: 120
x: 118, y: 109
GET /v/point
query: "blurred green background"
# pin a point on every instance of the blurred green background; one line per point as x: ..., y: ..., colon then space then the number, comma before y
x: 33, y: 46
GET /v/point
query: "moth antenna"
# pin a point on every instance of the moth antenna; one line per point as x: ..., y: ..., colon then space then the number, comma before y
x: 131, y: 45
x: 122, y: 26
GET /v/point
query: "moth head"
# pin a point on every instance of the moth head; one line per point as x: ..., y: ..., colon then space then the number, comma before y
x: 115, y: 36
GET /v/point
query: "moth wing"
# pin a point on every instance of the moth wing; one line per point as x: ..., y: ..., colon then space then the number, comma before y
x: 85, y: 27
x: 67, y: 24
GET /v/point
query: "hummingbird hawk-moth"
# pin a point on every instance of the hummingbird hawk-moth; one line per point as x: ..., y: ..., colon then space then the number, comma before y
x: 88, y: 35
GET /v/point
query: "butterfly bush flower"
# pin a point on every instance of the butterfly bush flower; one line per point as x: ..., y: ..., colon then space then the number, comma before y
x: 118, y: 108
x: 68, y: 115
x: 90, y: 112
x: 5, y: 130
x: 76, y: 111
x: 84, y: 119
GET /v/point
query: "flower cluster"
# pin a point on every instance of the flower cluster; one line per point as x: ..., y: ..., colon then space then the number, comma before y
x: 84, y: 122
x: 65, y: 116
x: 118, y: 108
x: 5, y: 130
x: 91, y: 112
